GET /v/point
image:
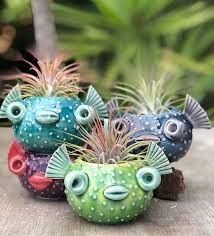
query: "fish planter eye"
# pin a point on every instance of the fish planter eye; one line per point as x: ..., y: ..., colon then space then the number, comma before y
x: 15, y: 111
x: 84, y: 114
x: 76, y: 182
x: 148, y: 178
x: 120, y: 126
x: 173, y: 129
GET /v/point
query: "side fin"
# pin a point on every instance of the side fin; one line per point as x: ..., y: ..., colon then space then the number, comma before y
x: 93, y: 99
x: 157, y: 159
x: 113, y: 107
x: 13, y: 96
x: 196, y: 114
x: 58, y: 164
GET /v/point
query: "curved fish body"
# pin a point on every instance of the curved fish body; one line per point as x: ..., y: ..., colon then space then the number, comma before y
x: 171, y: 130
x: 41, y: 124
x: 154, y: 128
x: 46, y: 123
x: 30, y: 168
x: 109, y: 193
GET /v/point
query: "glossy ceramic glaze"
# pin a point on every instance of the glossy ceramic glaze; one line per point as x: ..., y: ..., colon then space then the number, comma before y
x: 30, y: 169
x: 35, y: 182
x: 109, y: 193
x: 95, y: 204
x: 39, y: 133
x: 153, y: 128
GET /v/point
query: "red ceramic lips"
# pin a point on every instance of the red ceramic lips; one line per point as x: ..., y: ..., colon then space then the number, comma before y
x: 30, y: 168
x: 39, y: 181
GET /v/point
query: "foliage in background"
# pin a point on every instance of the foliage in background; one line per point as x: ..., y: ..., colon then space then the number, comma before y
x: 115, y: 36
x: 15, y: 10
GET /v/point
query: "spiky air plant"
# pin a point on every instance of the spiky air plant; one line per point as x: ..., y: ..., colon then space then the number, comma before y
x: 43, y: 109
x: 147, y: 97
x: 51, y: 80
x: 152, y: 113
x: 106, y: 183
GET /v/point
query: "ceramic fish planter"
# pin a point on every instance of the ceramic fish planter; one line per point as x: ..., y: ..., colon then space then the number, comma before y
x: 45, y: 112
x: 30, y: 168
x: 41, y: 123
x: 169, y: 127
x: 104, y: 190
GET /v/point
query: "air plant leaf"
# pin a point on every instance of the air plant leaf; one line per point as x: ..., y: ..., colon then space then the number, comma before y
x: 105, y: 147
x: 51, y: 79
x: 147, y: 96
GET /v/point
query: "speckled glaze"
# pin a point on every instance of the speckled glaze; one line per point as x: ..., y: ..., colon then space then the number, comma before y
x: 94, y: 206
x: 174, y: 148
x: 36, y: 166
x: 45, y: 138
x: 30, y: 169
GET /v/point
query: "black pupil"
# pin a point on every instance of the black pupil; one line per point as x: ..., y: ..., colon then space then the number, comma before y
x: 84, y: 113
x: 149, y: 178
x: 16, y: 111
x: 75, y: 183
x: 172, y: 127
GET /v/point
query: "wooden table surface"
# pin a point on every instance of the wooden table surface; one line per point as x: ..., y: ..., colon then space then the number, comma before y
x: 193, y: 214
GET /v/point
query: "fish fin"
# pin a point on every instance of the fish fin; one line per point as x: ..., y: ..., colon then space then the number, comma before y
x: 94, y: 100
x: 58, y: 164
x: 13, y: 96
x: 196, y: 114
x: 156, y: 158
x: 113, y: 107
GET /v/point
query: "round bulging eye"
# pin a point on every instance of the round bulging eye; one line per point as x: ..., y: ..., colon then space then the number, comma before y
x: 148, y: 178
x: 84, y: 114
x: 76, y: 182
x: 120, y: 126
x: 15, y: 111
x: 173, y: 129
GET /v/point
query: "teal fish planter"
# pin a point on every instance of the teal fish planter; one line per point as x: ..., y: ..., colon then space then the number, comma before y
x: 46, y: 122
x: 109, y: 193
x: 40, y: 124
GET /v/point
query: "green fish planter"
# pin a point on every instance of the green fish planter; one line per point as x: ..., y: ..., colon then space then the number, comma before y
x: 109, y: 193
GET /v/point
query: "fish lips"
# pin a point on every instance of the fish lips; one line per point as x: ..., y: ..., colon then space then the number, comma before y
x: 116, y: 192
x: 47, y: 117
x: 39, y: 181
x: 148, y: 138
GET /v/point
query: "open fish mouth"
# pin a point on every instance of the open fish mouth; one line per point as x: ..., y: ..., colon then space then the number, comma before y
x: 116, y: 192
x: 148, y: 138
x: 47, y: 117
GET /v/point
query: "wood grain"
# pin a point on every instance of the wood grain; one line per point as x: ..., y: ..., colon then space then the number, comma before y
x: 193, y: 214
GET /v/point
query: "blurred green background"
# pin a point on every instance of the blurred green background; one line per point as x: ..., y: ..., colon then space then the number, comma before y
x: 114, y: 38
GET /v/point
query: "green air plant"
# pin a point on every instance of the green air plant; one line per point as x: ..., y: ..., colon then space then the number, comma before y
x: 175, y: 34
x: 147, y: 96
x: 51, y: 80
x: 107, y: 183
